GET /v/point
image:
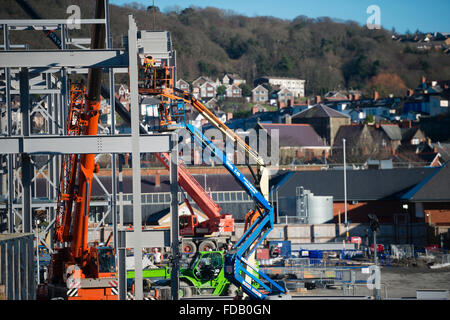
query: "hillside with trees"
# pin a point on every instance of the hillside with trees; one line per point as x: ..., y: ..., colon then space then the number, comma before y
x: 329, y: 54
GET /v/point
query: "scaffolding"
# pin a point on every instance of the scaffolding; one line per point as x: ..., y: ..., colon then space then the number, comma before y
x: 29, y: 154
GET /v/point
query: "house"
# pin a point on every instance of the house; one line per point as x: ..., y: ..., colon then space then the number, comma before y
x: 200, y: 90
x: 122, y: 92
x: 430, y: 97
x: 297, y: 142
x: 285, y: 98
x: 336, y: 96
x: 182, y: 85
x: 295, y: 86
x: 260, y: 94
x: 232, y: 79
x: 207, y: 90
x: 233, y: 91
x: 362, y: 142
x: 211, y: 104
x: 325, y: 121
x: 391, y: 135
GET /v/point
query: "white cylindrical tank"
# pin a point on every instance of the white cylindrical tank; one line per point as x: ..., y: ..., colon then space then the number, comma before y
x: 320, y: 209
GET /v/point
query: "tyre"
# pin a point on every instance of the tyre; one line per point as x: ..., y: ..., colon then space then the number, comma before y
x: 189, y: 247
x: 207, y: 245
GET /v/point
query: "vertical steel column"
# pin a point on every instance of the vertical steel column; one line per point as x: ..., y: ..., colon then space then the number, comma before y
x: 121, y: 261
x: 113, y: 129
x: 175, y: 279
x: 136, y: 163
x: 27, y: 167
x: 11, y: 217
x: 121, y: 161
x: 52, y: 129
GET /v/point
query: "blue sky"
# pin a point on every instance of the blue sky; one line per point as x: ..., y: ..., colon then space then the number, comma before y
x: 427, y: 16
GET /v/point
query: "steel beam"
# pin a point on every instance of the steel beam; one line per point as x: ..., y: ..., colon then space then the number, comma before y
x: 64, y: 58
x: 50, y: 23
x: 136, y: 159
x: 83, y: 144
x: 175, y: 276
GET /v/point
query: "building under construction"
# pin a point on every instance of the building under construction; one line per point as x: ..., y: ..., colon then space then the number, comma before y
x: 51, y: 248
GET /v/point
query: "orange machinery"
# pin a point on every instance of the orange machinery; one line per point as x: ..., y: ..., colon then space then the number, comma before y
x: 78, y: 271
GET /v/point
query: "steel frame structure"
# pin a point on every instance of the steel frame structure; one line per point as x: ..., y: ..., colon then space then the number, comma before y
x: 33, y: 72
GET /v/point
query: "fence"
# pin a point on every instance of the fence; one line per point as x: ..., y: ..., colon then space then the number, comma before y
x: 17, y: 270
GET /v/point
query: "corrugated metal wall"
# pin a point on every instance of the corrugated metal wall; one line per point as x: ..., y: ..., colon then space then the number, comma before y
x: 17, y: 271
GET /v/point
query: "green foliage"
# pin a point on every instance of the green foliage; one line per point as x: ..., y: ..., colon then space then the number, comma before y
x: 246, y: 89
x: 221, y: 90
x: 369, y: 119
x: 207, y: 68
x: 210, y: 41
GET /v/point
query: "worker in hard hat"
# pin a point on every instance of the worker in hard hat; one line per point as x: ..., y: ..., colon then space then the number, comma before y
x: 164, y: 115
x: 149, y: 64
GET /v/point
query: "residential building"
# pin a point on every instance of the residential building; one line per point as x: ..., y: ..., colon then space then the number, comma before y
x: 296, y: 86
x: 298, y: 143
x: 363, y: 142
x: 325, y: 121
x: 200, y: 91
x: 233, y: 91
x: 232, y: 79
x: 207, y: 90
x: 285, y: 98
x: 182, y: 85
x: 260, y: 94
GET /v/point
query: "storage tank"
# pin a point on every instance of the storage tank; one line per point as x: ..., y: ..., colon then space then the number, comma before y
x: 320, y: 209
x: 313, y: 209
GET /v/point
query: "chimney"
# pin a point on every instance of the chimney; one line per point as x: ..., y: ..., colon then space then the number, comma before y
x: 406, y: 124
x: 318, y: 99
x: 157, y: 180
x: 229, y: 115
x: 376, y: 95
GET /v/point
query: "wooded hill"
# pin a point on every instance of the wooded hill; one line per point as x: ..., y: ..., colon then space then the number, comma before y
x: 328, y: 54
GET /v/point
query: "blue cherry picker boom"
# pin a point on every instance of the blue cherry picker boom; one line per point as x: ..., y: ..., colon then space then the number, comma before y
x: 238, y: 269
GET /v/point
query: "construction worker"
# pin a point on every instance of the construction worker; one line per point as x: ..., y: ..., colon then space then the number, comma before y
x: 164, y: 115
x: 149, y: 64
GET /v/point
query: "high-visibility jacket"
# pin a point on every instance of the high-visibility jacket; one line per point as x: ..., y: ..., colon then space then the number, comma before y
x: 148, y: 63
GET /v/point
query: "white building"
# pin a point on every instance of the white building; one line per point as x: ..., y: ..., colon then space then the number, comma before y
x: 296, y: 86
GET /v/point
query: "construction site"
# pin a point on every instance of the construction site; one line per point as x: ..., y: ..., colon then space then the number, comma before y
x: 73, y: 231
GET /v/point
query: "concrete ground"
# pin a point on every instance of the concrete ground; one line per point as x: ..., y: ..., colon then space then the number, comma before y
x: 397, y: 282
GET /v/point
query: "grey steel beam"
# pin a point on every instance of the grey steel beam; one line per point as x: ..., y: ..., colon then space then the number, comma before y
x: 148, y: 239
x: 83, y: 144
x: 27, y: 167
x: 53, y: 23
x: 136, y: 158
x: 175, y: 276
x: 121, y: 264
x: 64, y: 58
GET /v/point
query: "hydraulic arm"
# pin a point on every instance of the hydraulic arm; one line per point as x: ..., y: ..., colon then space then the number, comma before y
x: 236, y: 263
